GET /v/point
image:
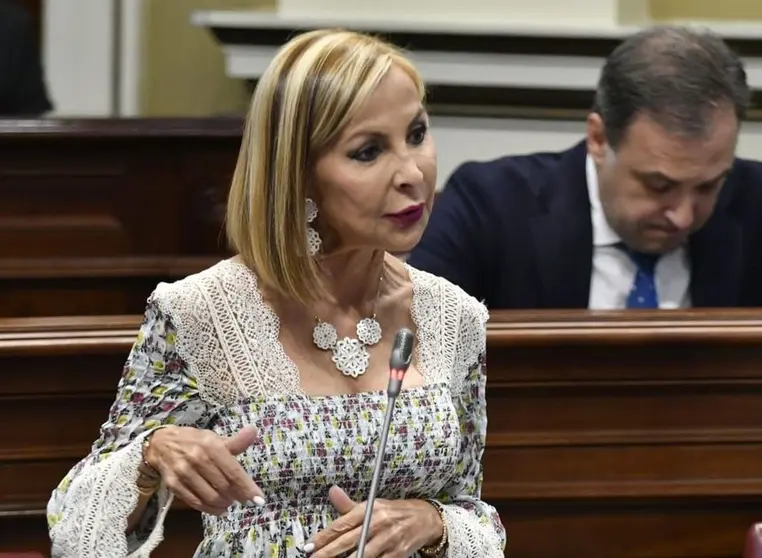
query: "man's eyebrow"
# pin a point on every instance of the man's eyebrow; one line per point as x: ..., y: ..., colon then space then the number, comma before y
x: 661, y: 177
x: 720, y: 176
x: 656, y: 176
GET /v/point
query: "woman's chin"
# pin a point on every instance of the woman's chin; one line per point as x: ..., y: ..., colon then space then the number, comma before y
x: 403, y: 241
x: 403, y: 246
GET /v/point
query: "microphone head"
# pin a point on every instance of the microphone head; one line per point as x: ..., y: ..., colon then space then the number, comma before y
x: 402, y: 350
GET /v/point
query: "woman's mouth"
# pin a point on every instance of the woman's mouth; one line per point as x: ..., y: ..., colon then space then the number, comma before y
x: 408, y: 216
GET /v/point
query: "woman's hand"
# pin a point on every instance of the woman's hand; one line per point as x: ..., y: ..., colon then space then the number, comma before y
x: 200, y: 467
x: 397, y: 529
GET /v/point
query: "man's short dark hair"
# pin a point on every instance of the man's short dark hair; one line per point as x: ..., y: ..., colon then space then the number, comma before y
x: 678, y: 76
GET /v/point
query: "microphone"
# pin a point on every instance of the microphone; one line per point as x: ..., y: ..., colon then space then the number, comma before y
x: 399, y: 361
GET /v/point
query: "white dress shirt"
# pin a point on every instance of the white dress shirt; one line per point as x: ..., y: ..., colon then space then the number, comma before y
x: 614, y: 271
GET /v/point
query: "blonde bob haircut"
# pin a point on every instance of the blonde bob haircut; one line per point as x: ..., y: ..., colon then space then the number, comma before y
x: 314, y: 86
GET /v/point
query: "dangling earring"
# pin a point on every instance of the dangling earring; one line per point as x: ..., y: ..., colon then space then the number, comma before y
x: 313, y: 238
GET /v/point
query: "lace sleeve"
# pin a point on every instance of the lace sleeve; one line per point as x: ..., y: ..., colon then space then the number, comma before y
x: 474, y: 527
x: 87, y: 513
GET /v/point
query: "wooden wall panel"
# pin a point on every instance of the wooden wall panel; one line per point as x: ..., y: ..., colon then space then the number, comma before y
x: 628, y: 435
x: 94, y: 213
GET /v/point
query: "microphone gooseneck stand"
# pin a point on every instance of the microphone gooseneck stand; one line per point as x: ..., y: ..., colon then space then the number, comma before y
x: 402, y: 354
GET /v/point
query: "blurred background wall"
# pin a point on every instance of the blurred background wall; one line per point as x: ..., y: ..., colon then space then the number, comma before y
x: 143, y: 57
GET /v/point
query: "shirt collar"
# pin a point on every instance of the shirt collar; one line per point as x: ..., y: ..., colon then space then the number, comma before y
x: 603, y: 234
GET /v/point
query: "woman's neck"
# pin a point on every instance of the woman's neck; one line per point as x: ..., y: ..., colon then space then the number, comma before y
x: 352, y: 278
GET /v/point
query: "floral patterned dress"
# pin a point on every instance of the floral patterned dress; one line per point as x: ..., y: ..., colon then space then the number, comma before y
x: 208, y: 356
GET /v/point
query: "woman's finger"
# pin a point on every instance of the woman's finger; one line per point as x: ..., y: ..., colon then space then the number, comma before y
x: 206, y: 466
x: 186, y: 495
x: 241, y: 486
x: 337, y: 546
x: 375, y: 548
x: 338, y: 528
x: 196, y: 484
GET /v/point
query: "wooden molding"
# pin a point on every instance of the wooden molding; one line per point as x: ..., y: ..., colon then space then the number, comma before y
x: 538, y: 328
x: 607, y: 430
x: 100, y: 267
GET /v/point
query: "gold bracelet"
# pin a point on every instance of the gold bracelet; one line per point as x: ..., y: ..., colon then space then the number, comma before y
x: 437, y: 549
x: 148, y: 470
x: 147, y: 491
x: 149, y: 479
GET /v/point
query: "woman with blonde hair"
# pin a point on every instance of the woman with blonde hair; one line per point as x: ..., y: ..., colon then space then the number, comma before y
x: 255, y: 391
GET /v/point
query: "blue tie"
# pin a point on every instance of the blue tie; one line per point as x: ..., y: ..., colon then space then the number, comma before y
x: 643, y: 293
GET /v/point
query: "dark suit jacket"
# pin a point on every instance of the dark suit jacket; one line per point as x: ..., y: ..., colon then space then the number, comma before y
x: 23, y: 92
x: 516, y: 232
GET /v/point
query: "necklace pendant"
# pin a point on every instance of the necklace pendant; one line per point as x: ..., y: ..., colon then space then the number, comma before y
x: 369, y: 331
x: 350, y: 357
x: 324, y: 336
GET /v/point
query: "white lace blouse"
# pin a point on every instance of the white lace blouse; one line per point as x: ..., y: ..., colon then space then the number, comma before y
x: 208, y: 355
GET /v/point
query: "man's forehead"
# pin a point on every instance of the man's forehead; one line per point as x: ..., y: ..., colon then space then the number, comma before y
x: 647, y: 131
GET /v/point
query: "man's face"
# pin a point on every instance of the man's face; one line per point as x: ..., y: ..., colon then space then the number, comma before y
x: 658, y: 187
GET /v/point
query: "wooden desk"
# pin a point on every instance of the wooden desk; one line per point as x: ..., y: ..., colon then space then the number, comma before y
x: 625, y: 434
x: 611, y: 435
x: 95, y: 212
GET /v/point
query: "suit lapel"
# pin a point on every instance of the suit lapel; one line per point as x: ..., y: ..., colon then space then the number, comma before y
x: 563, y: 237
x: 716, y: 256
x: 564, y: 248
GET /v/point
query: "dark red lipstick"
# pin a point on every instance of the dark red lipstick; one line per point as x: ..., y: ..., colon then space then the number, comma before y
x: 408, y: 216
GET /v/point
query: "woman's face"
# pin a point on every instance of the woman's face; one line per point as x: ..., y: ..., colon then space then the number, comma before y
x: 376, y: 184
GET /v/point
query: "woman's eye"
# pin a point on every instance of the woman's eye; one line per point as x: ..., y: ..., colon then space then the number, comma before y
x: 366, y: 154
x: 418, y: 135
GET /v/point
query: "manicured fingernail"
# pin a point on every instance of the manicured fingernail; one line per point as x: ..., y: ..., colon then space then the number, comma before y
x: 309, y: 547
x: 259, y: 501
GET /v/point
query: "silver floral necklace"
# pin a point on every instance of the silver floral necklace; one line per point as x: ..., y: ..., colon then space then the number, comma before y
x: 350, y: 355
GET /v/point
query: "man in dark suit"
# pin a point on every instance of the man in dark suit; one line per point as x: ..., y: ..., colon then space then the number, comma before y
x: 23, y: 92
x: 651, y: 210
